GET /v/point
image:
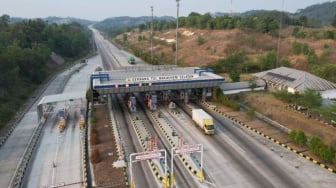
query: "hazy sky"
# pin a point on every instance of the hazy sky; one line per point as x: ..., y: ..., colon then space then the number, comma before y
x: 100, y: 9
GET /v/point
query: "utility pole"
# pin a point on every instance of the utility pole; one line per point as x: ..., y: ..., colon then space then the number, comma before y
x: 279, y: 34
x: 177, y: 17
x: 152, y: 35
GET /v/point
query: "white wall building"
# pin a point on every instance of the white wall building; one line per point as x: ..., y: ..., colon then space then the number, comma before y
x: 294, y: 80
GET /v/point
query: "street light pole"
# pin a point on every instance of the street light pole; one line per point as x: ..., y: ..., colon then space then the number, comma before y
x: 177, y: 17
x: 279, y: 34
x: 152, y: 35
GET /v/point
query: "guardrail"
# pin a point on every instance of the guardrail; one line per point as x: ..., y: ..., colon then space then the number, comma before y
x: 16, y: 180
x: 268, y: 120
x: 18, y: 175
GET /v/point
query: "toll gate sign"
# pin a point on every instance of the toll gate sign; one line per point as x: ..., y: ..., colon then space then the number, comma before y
x: 186, y: 149
x: 148, y: 155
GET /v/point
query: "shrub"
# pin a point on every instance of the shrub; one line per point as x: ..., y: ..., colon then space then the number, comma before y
x: 292, y: 135
x: 300, y: 137
x: 327, y: 153
x: 315, y: 143
x: 250, y: 112
x: 200, y: 40
x: 95, y: 156
x: 220, y: 97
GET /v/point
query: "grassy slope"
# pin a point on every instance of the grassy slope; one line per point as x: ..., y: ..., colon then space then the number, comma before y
x: 218, y: 43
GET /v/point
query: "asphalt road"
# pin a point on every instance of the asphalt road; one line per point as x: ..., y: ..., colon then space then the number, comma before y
x: 12, y: 151
x: 57, y: 160
x: 237, y: 157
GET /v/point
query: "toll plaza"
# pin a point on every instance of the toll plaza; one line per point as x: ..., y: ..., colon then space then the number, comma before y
x: 157, y: 82
x: 62, y: 105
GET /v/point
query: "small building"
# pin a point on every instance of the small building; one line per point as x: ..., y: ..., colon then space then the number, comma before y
x: 294, y: 80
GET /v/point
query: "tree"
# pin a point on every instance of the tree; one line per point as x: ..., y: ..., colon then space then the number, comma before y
x: 333, y: 22
x: 4, y: 19
x: 312, y: 58
x: 310, y: 98
x: 202, y: 21
x: 303, y: 20
x: 268, y: 61
x: 235, y: 76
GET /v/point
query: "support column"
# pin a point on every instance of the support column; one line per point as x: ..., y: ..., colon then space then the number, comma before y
x: 203, y: 94
x: 186, y: 96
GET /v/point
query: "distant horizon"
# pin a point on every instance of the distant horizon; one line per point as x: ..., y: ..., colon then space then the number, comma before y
x: 93, y: 11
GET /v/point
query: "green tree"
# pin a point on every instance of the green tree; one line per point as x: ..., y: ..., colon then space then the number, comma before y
x: 312, y: 58
x: 4, y: 19
x: 235, y: 76
x: 333, y: 22
x: 310, y: 98
x: 268, y: 61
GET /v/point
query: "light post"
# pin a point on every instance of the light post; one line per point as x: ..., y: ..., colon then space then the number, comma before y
x: 280, y: 27
x: 177, y: 16
x: 152, y: 35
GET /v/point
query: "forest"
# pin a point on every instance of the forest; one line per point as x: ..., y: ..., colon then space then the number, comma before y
x: 25, y: 49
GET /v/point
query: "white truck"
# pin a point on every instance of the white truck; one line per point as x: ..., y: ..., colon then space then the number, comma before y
x: 203, y: 120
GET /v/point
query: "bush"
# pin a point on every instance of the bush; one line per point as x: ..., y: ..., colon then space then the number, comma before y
x: 220, y: 97
x: 95, y: 156
x: 200, y: 40
x: 292, y: 135
x: 300, y: 138
x: 250, y: 112
x: 315, y: 143
x: 327, y: 153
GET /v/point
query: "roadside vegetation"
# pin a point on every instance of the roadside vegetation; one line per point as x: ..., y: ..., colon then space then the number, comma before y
x: 221, y: 98
x: 238, y: 44
x: 25, y: 49
x: 309, y: 102
x: 316, y: 144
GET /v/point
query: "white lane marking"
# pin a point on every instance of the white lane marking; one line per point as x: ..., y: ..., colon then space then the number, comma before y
x: 233, y: 144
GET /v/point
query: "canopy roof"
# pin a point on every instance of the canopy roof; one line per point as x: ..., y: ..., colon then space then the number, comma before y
x: 296, y: 79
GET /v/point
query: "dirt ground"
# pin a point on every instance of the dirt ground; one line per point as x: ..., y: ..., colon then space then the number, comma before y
x: 105, y: 175
x: 268, y: 105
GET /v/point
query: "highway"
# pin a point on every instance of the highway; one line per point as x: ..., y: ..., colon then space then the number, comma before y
x: 12, y: 152
x: 237, y: 157
x: 234, y: 157
x: 57, y: 160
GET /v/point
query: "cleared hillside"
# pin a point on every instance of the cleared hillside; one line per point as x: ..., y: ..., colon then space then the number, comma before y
x: 205, y: 47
